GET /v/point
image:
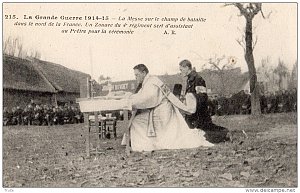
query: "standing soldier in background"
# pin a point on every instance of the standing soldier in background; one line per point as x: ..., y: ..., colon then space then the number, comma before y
x: 276, y: 101
x: 263, y: 103
x: 268, y: 101
x: 19, y: 112
x: 14, y: 120
x: 30, y: 114
x: 272, y: 103
x: 286, y: 101
x: 211, y: 106
x: 280, y: 101
x: 58, y: 117
x: 77, y: 115
x: 38, y: 115
x: 32, y: 103
x: 222, y: 107
x: 55, y: 115
x: 7, y: 116
x: 48, y: 115
x: 246, y: 103
x: 294, y: 99
x: 71, y: 115
x: 66, y: 114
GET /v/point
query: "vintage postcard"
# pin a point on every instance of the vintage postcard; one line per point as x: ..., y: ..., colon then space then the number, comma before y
x: 104, y: 95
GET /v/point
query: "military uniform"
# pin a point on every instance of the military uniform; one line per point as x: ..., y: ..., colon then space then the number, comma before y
x: 294, y: 100
x: 27, y: 115
x: 201, y: 118
x: 272, y: 104
x: 14, y: 116
x: 19, y: 112
x: 212, y: 107
x: 7, y: 116
x: 263, y: 103
x: 48, y: 115
x: 286, y: 101
x: 71, y: 115
x: 246, y: 105
x: 38, y: 115
x: 223, y: 105
x: 77, y: 115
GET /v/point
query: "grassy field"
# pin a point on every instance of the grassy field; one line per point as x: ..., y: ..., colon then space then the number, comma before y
x: 262, y: 153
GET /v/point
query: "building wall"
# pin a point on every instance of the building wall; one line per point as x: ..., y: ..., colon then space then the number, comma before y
x: 84, y: 87
x: 127, y: 86
x: 13, y: 98
x: 64, y: 97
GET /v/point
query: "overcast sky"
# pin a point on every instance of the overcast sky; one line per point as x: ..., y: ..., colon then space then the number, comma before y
x: 115, y: 55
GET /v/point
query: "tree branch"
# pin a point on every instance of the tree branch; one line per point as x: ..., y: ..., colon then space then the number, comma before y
x: 241, y: 43
x: 268, y: 16
x: 241, y: 8
x: 214, y: 64
x: 228, y: 4
x: 257, y: 8
x: 197, y: 54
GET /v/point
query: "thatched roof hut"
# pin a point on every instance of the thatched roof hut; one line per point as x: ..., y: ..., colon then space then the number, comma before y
x: 60, y: 77
x: 20, y: 74
x: 26, y: 79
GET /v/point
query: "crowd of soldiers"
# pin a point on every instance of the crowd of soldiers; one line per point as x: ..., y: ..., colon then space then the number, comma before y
x: 240, y: 103
x: 35, y: 114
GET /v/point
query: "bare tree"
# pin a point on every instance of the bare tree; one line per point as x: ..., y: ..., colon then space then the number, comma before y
x: 217, y: 64
x: 266, y: 72
x: 34, y: 54
x: 293, y: 79
x: 14, y: 46
x: 104, y: 80
x: 282, y: 71
x: 249, y: 11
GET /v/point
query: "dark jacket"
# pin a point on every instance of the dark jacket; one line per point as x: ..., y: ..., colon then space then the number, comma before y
x: 201, y: 118
x: 194, y: 80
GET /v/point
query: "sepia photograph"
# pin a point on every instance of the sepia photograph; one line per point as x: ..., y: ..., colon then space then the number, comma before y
x: 149, y: 95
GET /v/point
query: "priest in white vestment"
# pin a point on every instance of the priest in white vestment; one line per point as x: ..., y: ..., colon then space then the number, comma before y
x: 157, y: 123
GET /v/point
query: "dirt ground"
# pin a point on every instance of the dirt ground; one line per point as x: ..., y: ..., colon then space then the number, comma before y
x: 262, y: 153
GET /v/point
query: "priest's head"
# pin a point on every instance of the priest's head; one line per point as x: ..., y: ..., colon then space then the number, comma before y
x: 140, y: 72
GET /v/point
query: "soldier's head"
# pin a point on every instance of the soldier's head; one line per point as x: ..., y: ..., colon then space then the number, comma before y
x: 185, y: 67
x: 284, y: 91
x: 140, y: 72
x: 267, y: 93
